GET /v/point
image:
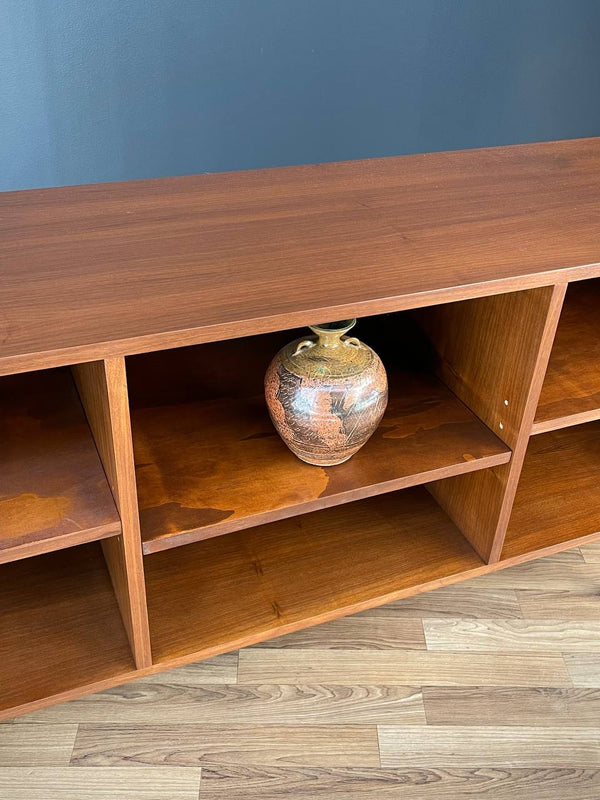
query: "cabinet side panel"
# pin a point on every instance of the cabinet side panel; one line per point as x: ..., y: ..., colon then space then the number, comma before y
x: 493, y: 353
x: 102, y: 386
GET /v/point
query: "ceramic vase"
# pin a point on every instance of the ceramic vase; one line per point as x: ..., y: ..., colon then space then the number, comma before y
x: 326, y: 394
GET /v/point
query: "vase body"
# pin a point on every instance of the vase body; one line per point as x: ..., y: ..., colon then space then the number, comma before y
x: 326, y: 394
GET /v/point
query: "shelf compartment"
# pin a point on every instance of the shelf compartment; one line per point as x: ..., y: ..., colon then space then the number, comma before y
x: 209, y: 461
x: 571, y: 390
x: 53, y: 490
x: 230, y: 591
x: 60, y: 627
x: 558, y: 499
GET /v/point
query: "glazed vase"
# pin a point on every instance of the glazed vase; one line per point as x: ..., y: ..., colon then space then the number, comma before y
x: 326, y: 394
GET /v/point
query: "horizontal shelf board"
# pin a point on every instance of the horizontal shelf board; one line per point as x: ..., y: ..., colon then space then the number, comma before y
x: 254, y: 584
x: 95, y: 680
x: 549, y: 550
x: 558, y: 499
x: 569, y: 421
x: 212, y: 256
x: 60, y: 626
x: 53, y: 490
x: 213, y: 467
x: 571, y: 390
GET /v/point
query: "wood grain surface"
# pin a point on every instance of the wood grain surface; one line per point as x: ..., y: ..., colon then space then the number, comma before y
x: 102, y: 386
x: 565, y: 571
x: 490, y: 746
x: 488, y: 352
x: 39, y: 744
x: 356, y: 633
x: 591, y: 552
x: 498, y: 723
x: 388, y: 233
x: 192, y: 745
x: 120, y: 783
x: 53, y: 491
x: 515, y: 634
x: 450, y: 601
x: 584, y: 669
x: 61, y: 628
x: 182, y: 698
x: 558, y: 498
x: 404, y: 667
x: 221, y: 669
x: 531, y: 706
x: 493, y: 352
x: 504, y: 783
x: 573, y: 605
x: 298, y: 572
x: 571, y: 392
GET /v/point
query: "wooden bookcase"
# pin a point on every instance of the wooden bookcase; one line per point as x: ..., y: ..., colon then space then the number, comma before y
x: 149, y: 513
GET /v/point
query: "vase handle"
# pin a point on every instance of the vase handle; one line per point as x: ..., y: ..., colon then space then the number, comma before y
x: 352, y: 341
x: 304, y: 345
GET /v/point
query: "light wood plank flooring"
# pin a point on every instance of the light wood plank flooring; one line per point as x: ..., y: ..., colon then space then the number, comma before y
x: 489, y: 689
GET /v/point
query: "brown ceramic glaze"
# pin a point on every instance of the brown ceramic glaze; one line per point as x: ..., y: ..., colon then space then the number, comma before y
x: 326, y: 394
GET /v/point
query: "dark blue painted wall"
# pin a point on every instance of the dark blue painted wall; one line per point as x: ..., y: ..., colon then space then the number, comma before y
x: 103, y: 90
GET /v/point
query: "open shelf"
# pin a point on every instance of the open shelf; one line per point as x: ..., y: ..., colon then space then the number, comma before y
x: 209, y: 461
x: 53, y: 490
x: 558, y: 499
x: 60, y: 626
x: 459, y: 300
x: 229, y: 591
x: 571, y: 391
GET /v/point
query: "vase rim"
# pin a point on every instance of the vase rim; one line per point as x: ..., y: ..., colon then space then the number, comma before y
x: 340, y: 326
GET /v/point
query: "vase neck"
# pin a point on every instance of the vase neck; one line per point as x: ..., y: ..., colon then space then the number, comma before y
x: 330, y: 333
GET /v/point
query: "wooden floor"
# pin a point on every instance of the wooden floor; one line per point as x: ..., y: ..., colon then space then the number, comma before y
x: 486, y: 689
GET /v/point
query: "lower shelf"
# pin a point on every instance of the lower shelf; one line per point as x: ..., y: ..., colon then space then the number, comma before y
x: 558, y: 499
x: 233, y: 590
x: 53, y: 490
x: 60, y: 626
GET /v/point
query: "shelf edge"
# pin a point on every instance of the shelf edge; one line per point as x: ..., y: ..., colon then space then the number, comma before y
x: 13, y: 363
x: 173, y: 663
x: 169, y: 541
x: 54, y: 543
x: 568, y: 421
x: 551, y: 549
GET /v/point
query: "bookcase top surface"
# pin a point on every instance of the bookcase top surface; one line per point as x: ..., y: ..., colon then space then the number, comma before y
x: 94, y: 271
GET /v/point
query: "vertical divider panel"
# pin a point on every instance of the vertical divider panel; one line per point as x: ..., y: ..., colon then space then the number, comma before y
x: 102, y: 386
x: 493, y: 354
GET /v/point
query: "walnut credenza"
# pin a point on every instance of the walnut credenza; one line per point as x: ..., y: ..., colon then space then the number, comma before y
x: 150, y: 515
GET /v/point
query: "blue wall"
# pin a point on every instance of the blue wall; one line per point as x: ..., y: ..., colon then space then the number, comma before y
x: 104, y: 90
